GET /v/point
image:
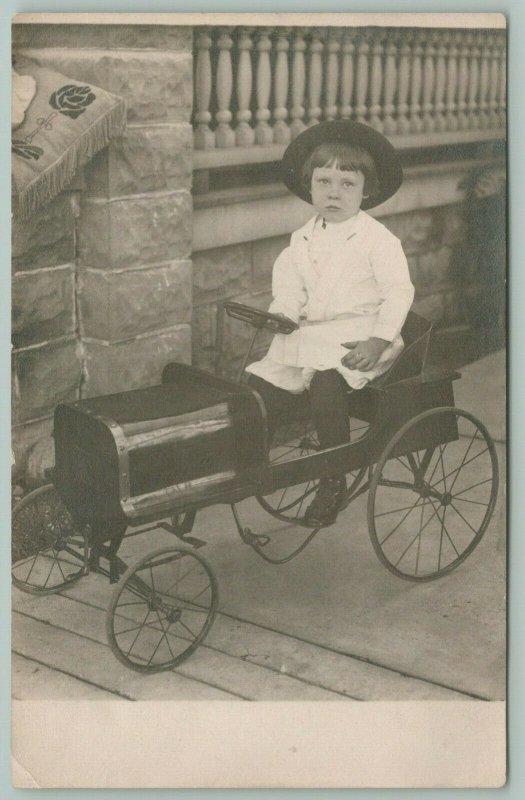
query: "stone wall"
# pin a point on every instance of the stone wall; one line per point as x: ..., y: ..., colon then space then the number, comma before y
x: 102, y: 279
x: 434, y: 240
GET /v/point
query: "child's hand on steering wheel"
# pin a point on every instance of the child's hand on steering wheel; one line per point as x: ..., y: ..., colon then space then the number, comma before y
x: 283, y: 316
x: 364, y: 355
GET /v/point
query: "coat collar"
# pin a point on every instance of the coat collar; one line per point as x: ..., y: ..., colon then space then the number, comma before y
x: 350, y: 226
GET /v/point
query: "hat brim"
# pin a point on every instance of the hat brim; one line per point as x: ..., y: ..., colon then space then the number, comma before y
x: 388, y: 164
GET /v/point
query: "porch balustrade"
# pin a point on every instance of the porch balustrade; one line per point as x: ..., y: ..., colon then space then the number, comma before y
x: 258, y: 88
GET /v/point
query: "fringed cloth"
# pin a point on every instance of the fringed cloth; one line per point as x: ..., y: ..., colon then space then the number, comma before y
x: 66, y: 123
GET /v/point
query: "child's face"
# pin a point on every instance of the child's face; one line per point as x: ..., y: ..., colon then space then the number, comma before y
x: 337, y: 194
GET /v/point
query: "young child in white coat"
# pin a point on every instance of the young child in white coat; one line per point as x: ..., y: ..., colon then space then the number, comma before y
x: 344, y: 279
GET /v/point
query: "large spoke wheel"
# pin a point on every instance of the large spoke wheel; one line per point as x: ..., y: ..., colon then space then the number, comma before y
x: 290, y: 504
x: 161, y: 609
x: 48, y: 550
x: 428, y: 508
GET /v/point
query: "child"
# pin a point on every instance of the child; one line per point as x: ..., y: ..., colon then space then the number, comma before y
x: 344, y: 279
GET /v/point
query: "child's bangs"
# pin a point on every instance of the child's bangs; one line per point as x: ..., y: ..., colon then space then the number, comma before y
x: 342, y: 156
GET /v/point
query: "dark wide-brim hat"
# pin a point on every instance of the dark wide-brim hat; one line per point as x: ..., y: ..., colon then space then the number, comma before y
x: 344, y: 131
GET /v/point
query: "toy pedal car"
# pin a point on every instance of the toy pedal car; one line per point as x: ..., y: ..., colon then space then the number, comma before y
x: 159, y: 454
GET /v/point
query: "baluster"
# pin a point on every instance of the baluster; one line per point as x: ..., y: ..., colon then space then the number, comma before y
x: 244, y: 133
x: 204, y: 137
x: 224, y: 135
x: 263, y: 132
x: 298, y: 82
x: 451, y: 117
x: 332, y: 74
x: 363, y: 51
x: 502, y: 90
x: 389, y: 124
x: 281, y: 131
x: 493, y: 85
x: 463, y: 73
x: 484, y: 77
x: 403, y: 84
x: 441, y: 81
x: 315, y: 77
x: 473, y: 83
x: 416, y: 81
x: 347, y: 76
x: 429, y: 122
x: 376, y: 81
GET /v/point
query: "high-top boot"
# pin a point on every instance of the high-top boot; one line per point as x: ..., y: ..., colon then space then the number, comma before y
x: 328, y: 500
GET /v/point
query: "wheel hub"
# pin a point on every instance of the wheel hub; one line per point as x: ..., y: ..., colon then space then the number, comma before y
x: 446, y: 499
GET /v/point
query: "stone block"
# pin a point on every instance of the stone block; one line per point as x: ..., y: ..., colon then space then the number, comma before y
x: 43, y: 377
x: 25, y: 437
x: 431, y: 306
x: 135, y: 231
x: 221, y: 273
x: 43, y: 305
x: 144, y: 159
x: 135, y: 363
x: 40, y: 459
x: 156, y: 84
x: 417, y: 230
x: 204, y: 337
x: 117, y: 305
x: 434, y: 268
x: 46, y: 238
x: 454, y: 306
x: 264, y: 254
x: 161, y: 37
x: 453, y: 225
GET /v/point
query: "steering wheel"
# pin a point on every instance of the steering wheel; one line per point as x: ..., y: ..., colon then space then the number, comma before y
x: 259, y: 319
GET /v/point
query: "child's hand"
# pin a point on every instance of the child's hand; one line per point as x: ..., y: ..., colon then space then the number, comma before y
x: 282, y: 316
x: 364, y: 355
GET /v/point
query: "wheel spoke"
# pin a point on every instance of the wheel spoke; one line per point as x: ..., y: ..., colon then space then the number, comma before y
x: 193, y: 635
x: 474, y: 502
x: 474, y: 486
x: 419, y: 539
x: 206, y: 588
x: 163, y: 637
x: 405, y: 551
x: 404, y: 465
x: 401, y: 522
x: 445, y: 530
x: 442, y: 467
x: 463, y: 518
x: 394, y: 511
x: 138, y: 633
x: 460, y: 466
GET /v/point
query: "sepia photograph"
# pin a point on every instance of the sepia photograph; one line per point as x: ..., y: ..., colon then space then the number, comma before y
x: 259, y: 323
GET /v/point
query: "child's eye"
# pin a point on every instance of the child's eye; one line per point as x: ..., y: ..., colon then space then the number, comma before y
x: 347, y: 184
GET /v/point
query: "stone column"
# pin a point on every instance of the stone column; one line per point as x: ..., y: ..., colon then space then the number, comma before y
x: 102, y: 302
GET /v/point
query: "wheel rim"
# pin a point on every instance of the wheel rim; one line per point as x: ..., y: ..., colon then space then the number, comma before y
x: 428, y: 509
x: 161, y: 609
x: 48, y: 549
x: 290, y: 504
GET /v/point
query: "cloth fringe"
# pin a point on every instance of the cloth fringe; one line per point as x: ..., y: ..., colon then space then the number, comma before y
x: 51, y: 182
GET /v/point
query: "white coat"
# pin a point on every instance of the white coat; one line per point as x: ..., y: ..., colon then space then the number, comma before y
x: 344, y: 283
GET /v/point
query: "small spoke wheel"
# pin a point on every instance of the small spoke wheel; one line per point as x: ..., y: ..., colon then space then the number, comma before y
x: 161, y: 609
x: 290, y: 504
x: 428, y: 508
x: 48, y: 550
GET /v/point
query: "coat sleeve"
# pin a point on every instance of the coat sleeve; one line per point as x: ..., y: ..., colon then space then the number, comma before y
x: 288, y: 289
x: 390, y: 269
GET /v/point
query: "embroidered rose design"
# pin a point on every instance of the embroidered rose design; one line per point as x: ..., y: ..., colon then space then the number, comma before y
x: 29, y: 151
x: 72, y: 100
